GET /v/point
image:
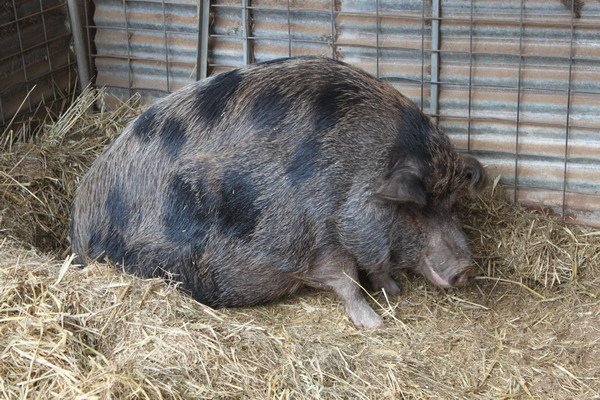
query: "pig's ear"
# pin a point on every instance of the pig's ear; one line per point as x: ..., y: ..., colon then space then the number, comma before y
x: 404, y: 186
x: 474, y: 173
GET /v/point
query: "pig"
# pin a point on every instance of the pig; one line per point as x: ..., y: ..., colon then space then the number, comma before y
x: 258, y: 181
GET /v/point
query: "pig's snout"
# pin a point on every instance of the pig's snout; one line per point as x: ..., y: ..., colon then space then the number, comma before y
x: 447, y: 261
x: 465, y: 276
x: 457, y: 275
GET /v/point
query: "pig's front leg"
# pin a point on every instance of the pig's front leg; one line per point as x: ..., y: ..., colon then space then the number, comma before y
x: 336, y: 271
x: 381, y: 279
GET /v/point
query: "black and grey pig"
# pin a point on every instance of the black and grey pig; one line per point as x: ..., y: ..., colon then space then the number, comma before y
x: 252, y: 183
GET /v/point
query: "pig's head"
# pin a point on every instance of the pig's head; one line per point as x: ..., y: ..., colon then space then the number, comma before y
x: 426, y: 235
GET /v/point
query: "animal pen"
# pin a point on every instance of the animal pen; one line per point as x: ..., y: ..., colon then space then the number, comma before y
x: 515, y: 83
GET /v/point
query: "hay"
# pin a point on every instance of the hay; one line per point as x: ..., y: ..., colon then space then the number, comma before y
x: 38, y: 176
x: 96, y: 333
x: 532, y: 246
x: 529, y: 329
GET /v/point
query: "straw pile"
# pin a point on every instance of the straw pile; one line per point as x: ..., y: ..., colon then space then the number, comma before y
x: 529, y: 329
x: 534, y: 247
x: 39, y: 170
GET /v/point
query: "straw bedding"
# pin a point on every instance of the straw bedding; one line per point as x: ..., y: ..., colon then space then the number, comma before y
x: 530, y: 328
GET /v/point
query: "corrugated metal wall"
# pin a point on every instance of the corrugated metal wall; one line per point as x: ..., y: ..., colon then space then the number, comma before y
x: 35, y: 55
x: 518, y: 82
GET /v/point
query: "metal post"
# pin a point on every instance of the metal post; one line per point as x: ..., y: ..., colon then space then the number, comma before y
x: 203, y: 33
x: 435, y: 58
x: 246, y: 26
x: 289, y: 30
x: 76, y: 22
x: 470, y: 78
x: 164, y: 23
x: 564, y: 192
x: 129, y: 68
x: 377, y: 33
x: 422, y: 53
x: 87, y: 33
x: 519, y: 83
x: 333, y: 53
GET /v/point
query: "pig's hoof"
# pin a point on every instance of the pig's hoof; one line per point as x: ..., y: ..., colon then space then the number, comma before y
x: 392, y: 288
x: 367, y: 319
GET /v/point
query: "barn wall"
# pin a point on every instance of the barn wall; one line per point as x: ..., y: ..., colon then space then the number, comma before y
x: 518, y: 83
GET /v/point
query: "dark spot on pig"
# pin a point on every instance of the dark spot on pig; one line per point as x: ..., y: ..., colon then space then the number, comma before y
x: 145, y: 125
x: 269, y: 110
x: 108, y: 243
x: 305, y: 161
x: 114, y: 245
x: 212, y: 97
x: 173, y: 136
x: 332, y: 102
x: 118, y: 213
x: 187, y: 214
x: 239, y: 209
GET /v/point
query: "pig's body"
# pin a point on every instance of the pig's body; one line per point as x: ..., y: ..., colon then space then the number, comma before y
x: 250, y: 184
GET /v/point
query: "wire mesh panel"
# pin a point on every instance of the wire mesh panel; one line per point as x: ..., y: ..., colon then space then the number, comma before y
x: 519, y: 87
x: 136, y: 51
x: 390, y: 39
x: 513, y: 82
x: 36, y: 61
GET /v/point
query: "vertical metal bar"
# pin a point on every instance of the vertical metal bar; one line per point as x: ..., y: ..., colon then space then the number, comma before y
x: 203, y: 34
x: 69, y: 73
x: 333, y: 53
x: 516, y: 172
x: 23, y: 64
x: 2, y: 112
x: 51, y: 70
x: 79, y: 42
x: 164, y: 22
x: 435, y: 58
x: 246, y: 27
x: 470, y: 78
x: 289, y: 30
x: 377, y: 33
x: 564, y: 192
x: 129, y: 72
x: 87, y: 31
x: 422, y: 53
